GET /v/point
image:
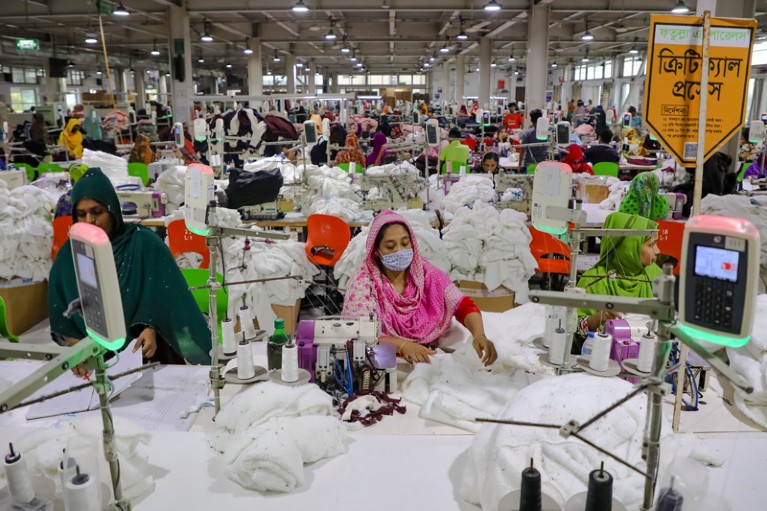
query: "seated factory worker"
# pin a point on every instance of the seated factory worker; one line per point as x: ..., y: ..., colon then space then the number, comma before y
x: 632, y: 261
x: 602, y: 151
x: 490, y: 163
x: 643, y: 198
x: 159, y: 309
x: 413, y: 300
x: 455, y: 151
x: 72, y: 139
x: 575, y: 159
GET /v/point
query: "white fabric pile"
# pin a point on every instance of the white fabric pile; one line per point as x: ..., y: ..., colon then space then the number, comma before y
x: 499, y: 453
x: 172, y: 182
x: 114, y: 167
x: 393, y: 169
x: 618, y: 190
x: 269, y: 432
x: 492, y: 247
x: 751, y: 363
x: 26, y: 214
x: 82, y: 439
x: 330, y: 192
x: 470, y: 189
x: 738, y: 206
x: 290, y: 173
x: 430, y: 246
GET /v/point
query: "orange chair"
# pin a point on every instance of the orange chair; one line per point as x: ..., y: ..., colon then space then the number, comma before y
x: 551, y: 255
x: 181, y: 241
x: 326, y: 239
x: 61, y: 226
x: 670, y: 235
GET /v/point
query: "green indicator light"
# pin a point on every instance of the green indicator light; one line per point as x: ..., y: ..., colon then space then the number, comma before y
x: 729, y: 342
x: 551, y: 230
x: 201, y: 232
x: 110, y: 345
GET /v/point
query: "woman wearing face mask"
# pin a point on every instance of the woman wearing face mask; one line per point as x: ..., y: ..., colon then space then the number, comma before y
x: 490, y: 163
x: 626, y: 267
x: 575, y: 159
x: 413, y: 300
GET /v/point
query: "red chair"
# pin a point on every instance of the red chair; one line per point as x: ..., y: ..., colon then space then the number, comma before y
x: 61, y: 226
x: 326, y: 239
x: 182, y: 241
x: 670, y: 235
x: 551, y: 255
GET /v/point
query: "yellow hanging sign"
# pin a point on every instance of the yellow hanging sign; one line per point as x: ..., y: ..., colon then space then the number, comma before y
x: 672, y: 88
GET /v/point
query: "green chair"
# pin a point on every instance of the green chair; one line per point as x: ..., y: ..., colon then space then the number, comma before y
x: 141, y: 170
x: 344, y: 166
x: 4, y: 332
x: 46, y: 167
x: 199, y: 277
x: 28, y: 168
x: 456, y: 167
x: 743, y: 169
x: 531, y: 168
x: 606, y: 168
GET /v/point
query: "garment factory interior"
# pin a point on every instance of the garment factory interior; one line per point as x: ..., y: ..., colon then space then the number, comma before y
x: 425, y: 254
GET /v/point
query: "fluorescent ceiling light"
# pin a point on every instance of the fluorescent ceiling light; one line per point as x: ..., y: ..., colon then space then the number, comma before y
x: 247, y: 51
x: 492, y: 6
x: 462, y: 35
x: 228, y: 65
x: 680, y: 8
x: 444, y: 49
x: 587, y: 36
x: 90, y: 38
x: 206, y: 37
x: 121, y: 10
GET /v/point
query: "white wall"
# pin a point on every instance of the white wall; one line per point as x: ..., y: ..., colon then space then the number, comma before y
x: 471, y: 83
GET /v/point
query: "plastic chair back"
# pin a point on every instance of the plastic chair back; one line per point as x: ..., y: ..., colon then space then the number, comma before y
x: 670, y: 235
x: 141, y: 170
x: 743, y: 170
x: 181, y: 241
x: 531, y: 168
x: 61, y: 226
x: 326, y: 239
x: 606, y: 168
x: 4, y: 332
x: 196, y: 277
x: 552, y: 255
x: 343, y: 166
x: 45, y: 167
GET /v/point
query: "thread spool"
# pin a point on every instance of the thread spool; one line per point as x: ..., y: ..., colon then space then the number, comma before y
x: 17, y: 475
x: 229, y: 341
x: 646, y: 352
x: 81, y: 493
x: 557, y: 348
x: 600, y: 494
x: 289, y: 372
x: 246, y: 322
x: 549, y: 326
x: 600, y: 352
x: 245, y: 368
x: 530, y: 489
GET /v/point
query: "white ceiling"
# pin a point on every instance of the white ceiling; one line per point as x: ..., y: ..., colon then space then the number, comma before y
x: 389, y: 35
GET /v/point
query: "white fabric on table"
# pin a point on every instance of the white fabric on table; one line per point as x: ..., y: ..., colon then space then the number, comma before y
x: 499, y: 453
x: 468, y: 190
x: 330, y: 192
x: 271, y: 455
x: 25, y: 221
x: 42, y: 449
x: 114, y: 167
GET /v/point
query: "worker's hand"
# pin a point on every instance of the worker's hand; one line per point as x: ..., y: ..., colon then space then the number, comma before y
x: 597, y: 320
x: 414, y: 352
x: 148, y: 342
x: 80, y: 371
x: 485, y: 349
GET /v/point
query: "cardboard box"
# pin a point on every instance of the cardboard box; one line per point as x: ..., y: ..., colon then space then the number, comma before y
x: 287, y: 312
x: 498, y: 300
x: 594, y: 193
x: 26, y: 303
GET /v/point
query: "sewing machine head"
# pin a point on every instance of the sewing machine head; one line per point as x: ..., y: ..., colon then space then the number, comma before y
x: 393, y: 191
x: 143, y: 203
x: 514, y: 191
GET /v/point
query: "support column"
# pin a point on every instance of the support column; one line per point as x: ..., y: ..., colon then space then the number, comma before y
x: 460, y: 69
x: 312, y: 79
x: 445, y: 96
x: 162, y: 88
x: 537, y: 57
x: 182, y: 86
x: 567, y: 86
x: 512, y: 86
x: 334, y: 88
x: 255, y: 71
x: 483, y: 94
x: 290, y: 72
x: 139, y: 81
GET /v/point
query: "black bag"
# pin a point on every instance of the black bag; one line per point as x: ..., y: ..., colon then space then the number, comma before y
x: 251, y: 188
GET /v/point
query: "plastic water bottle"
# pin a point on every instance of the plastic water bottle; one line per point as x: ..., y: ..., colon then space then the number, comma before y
x: 587, y: 345
x: 274, y: 347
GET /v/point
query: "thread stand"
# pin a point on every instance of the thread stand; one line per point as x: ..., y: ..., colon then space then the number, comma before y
x: 613, y: 369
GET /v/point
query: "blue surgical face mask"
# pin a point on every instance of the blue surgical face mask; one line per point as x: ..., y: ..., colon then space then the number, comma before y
x: 398, y: 261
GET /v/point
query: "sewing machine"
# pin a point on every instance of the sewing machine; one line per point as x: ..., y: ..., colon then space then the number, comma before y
x: 394, y: 191
x: 142, y: 203
x: 676, y: 202
x: 272, y: 210
x: 328, y: 348
x: 521, y: 196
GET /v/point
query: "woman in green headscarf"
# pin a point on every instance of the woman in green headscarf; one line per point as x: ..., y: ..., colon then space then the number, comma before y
x: 159, y: 308
x: 626, y: 267
x: 643, y: 198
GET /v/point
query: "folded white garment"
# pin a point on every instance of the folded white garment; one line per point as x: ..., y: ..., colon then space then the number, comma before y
x: 499, y: 453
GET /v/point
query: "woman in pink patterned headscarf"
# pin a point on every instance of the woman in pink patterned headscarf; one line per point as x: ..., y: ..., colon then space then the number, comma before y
x: 413, y: 300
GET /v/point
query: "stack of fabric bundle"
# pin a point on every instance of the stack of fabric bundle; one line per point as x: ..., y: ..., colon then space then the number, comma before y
x: 330, y: 192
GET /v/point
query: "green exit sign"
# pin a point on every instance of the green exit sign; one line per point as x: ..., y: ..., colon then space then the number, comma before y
x: 27, y: 44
